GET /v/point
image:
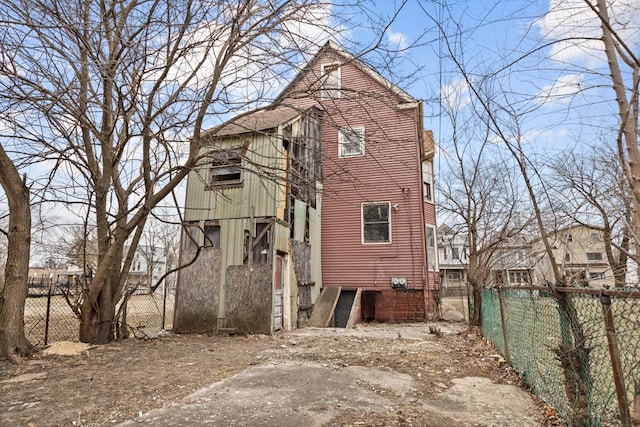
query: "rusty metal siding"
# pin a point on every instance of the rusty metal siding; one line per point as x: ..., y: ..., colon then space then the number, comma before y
x: 260, y: 186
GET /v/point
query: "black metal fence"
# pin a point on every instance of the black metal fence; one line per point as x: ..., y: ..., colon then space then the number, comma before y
x: 49, y: 315
x: 578, y: 349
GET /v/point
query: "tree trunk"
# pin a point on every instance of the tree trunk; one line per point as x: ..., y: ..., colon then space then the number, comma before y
x: 13, y: 343
x: 96, y: 323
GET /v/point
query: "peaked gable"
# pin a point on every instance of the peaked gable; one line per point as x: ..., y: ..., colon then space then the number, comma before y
x: 332, y: 48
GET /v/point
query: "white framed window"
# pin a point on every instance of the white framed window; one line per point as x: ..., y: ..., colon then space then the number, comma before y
x: 376, y: 222
x: 431, y: 248
x: 454, y: 276
x: 594, y: 256
x: 351, y: 142
x: 427, y: 181
x: 455, y: 254
x: 225, y: 169
x: 597, y: 275
x: 595, y: 237
x: 330, y: 80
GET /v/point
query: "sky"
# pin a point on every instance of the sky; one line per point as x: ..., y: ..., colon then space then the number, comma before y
x: 559, y: 89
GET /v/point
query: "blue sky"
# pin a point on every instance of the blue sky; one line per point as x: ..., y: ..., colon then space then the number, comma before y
x: 561, y: 89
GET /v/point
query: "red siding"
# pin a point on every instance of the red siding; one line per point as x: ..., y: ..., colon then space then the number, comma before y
x: 390, y: 171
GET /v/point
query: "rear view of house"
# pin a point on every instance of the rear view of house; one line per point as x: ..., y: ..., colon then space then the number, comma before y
x: 378, y: 213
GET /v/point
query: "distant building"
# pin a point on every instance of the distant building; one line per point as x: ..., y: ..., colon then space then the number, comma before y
x: 453, y: 260
x: 580, y: 253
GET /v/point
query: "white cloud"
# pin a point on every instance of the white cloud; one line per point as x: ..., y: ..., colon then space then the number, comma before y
x: 456, y: 95
x: 562, y: 90
x: 398, y: 39
x: 574, y: 21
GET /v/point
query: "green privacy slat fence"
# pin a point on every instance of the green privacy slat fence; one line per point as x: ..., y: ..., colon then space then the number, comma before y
x: 572, y: 371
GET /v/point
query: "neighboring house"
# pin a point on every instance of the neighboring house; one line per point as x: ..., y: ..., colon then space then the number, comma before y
x: 252, y: 226
x: 580, y: 253
x: 453, y: 260
x: 148, y: 266
x: 513, y: 262
x: 378, y: 213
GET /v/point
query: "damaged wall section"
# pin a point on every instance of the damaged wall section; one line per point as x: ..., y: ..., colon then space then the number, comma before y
x: 198, y: 289
x: 249, y: 298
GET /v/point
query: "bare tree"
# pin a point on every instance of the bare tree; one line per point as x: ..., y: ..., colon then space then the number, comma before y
x: 14, y: 288
x: 116, y: 96
x: 590, y: 189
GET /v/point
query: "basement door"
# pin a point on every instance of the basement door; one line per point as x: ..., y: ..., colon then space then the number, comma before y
x: 278, y: 287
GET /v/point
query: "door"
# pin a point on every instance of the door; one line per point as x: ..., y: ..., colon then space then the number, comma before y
x: 277, y: 293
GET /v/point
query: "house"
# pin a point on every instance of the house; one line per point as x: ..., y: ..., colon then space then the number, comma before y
x: 252, y: 230
x: 580, y: 252
x: 513, y: 262
x: 148, y: 265
x: 379, y: 249
x: 454, y: 262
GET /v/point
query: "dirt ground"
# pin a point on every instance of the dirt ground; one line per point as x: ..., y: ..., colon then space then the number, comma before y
x: 121, y: 381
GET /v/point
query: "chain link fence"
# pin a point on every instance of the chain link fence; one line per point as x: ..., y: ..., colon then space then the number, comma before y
x: 579, y: 350
x: 49, y: 315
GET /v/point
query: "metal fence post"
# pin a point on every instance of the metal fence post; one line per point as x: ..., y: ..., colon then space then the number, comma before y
x: 47, y: 316
x: 616, y: 363
x: 507, y: 355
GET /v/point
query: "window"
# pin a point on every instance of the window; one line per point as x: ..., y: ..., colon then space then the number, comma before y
x: 351, y: 142
x: 431, y: 248
x: 330, y: 81
x: 520, y: 255
x: 191, y: 236
x: 212, y: 236
x: 226, y: 169
x: 594, y: 256
x: 376, y: 224
x: 519, y: 277
x: 455, y: 253
x: 595, y: 237
x: 569, y: 237
x: 427, y: 181
x: 445, y: 254
x: 453, y: 276
x: 597, y: 275
x: 567, y: 258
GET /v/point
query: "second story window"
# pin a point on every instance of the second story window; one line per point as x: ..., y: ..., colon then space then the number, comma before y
x: 594, y: 256
x: 427, y: 181
x: 351, y: 142
x: 225, y: 169
x: 330, y: 81
x: 455, y: 254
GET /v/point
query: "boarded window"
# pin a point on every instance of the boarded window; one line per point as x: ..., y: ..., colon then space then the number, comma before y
x: 351, y: 142
x: 226, y: 169
x: 330, y: 81
x: 376, y: 224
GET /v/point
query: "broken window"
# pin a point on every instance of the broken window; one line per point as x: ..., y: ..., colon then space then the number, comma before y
x: 330, y: 81
x: 351, y: 142
x: 226, y: 168
x: 376, y: 224
x: 211, y: 236
x: 190, y: 236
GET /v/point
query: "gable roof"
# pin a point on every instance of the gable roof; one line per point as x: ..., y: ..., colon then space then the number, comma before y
x: 255, y: 121
x: 404, y: 96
